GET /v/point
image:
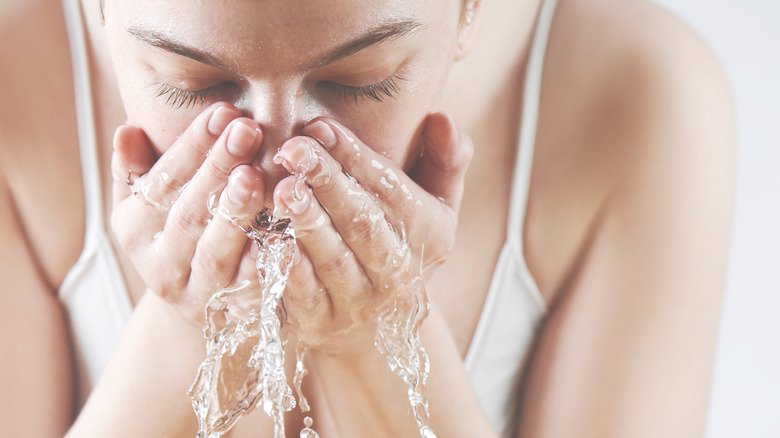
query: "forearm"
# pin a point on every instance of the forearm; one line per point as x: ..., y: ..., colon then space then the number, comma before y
x: 365, y: 398
x: 143, y: 391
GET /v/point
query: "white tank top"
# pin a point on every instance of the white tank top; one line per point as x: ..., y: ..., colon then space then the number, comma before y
x: 514, y: 307
x: 93, y: 292
x: 98, y: 305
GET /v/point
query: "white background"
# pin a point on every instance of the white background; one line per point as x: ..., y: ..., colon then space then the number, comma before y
x: 745, y: 34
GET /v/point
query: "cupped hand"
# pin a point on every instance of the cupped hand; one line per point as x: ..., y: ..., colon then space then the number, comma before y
x: 163, y: 206
x: 367, y: 232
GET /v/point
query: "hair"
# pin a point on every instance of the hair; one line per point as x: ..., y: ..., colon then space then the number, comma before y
x: 467, y: 8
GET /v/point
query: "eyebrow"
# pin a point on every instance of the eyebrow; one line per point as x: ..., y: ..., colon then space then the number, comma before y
x: 373, y: 37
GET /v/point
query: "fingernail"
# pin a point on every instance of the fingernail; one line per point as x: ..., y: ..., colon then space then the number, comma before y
x: 323, y: 133
x: 117, y: 133
x: 297, y: 155
x: 239, y: 188
x: 280, y: 158
x: 220, y: 119
x: 298, y: 199
x: 241, y: 139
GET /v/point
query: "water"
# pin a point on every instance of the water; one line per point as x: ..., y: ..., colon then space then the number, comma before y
x: 307, y: 431
x: 398, y: 339
x: 300, y: 373
x: 244, y: 362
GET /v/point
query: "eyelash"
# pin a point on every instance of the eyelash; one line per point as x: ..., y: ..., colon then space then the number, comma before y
x: 387, y: 88
x: 178, y: 98
x: 376, y: 92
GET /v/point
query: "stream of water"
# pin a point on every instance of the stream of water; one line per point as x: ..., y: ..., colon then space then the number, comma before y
x: 244, y: 362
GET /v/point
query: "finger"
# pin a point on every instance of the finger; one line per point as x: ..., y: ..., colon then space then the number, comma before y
x: 306, y: 300
x: 333, y: 261
x: 355, y: 214
x: 429, y: 222
x: 375, y: 173
x: 133, y: 156
x: 179, y: 163
x: 189, y: 214
x: 220, y: 248
x: 446, y: 154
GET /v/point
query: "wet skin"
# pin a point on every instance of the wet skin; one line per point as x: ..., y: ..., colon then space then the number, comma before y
x: 326, y: 104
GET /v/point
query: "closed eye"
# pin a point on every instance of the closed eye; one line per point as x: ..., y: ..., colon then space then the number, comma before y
x: 178, y: 98
x: 387, y: 88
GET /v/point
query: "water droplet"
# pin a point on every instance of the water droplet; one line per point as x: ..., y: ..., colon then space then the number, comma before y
x: 246, y: 343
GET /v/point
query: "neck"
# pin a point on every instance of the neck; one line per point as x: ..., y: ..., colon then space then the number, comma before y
x: 495, y: 65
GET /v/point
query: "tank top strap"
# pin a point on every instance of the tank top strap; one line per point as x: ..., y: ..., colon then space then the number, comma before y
x: 528, y: 125
x: 86, y: 125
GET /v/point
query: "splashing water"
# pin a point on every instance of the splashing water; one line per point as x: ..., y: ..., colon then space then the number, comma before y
x: 398, y: 339
x: 307, y: 431
x: 245, y: 353
x: 244, y: 363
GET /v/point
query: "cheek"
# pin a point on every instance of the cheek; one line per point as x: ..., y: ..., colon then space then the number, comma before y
x: 390, y: 131
x: 394, y: 128
x: 142, y: 108
x: 162, y: 127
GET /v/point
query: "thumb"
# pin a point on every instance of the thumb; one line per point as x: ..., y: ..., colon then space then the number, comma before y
x: 133, y: 156
x: 446, y: 154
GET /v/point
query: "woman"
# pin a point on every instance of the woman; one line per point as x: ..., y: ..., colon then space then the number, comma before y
x: 581, y: 286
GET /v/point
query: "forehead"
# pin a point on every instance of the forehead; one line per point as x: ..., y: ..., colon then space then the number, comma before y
x: 289, y: 33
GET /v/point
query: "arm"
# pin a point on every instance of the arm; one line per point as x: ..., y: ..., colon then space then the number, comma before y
x: 184, y: 257
x: 35, y: 369
x: 629, y: 345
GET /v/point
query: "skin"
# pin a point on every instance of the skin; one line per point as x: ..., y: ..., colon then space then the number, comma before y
x: 626, y: 230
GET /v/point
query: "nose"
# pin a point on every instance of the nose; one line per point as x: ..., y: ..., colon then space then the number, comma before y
x: 281, y: 112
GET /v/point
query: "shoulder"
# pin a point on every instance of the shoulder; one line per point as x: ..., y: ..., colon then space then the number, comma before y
x: 633, y: 62
x: 35, y: 70
x: 628, y: 222
x: 38, y: 135
x: 637, y: 118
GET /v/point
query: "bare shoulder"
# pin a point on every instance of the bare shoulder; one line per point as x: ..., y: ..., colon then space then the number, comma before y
x: 629, y: 223
x: 35, y: 69
x: 38, y: 135
x: 35, y: 181
x: 636, y: 115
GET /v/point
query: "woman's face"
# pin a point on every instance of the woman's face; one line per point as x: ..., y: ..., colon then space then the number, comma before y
x: 377, y: 66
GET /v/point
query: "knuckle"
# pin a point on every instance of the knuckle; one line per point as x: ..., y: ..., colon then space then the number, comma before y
x: 186, y: 216
x: 393, y: 281
x: 324, y: 176
x: 361, y: 229
x: 126, y: 236
x: 218, y: 169
x: 386, y: 190
x: 349, y: 155
x: 336, y: 264
x: 438, y: 249
x: 210, y: 264
x: 158, y: 283
x: 307, y: 301
x: 297, y: 282
x: 168, y: 183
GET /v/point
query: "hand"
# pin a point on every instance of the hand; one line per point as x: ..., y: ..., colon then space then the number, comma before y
x: 162, y: 213
x: 366, y: 230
